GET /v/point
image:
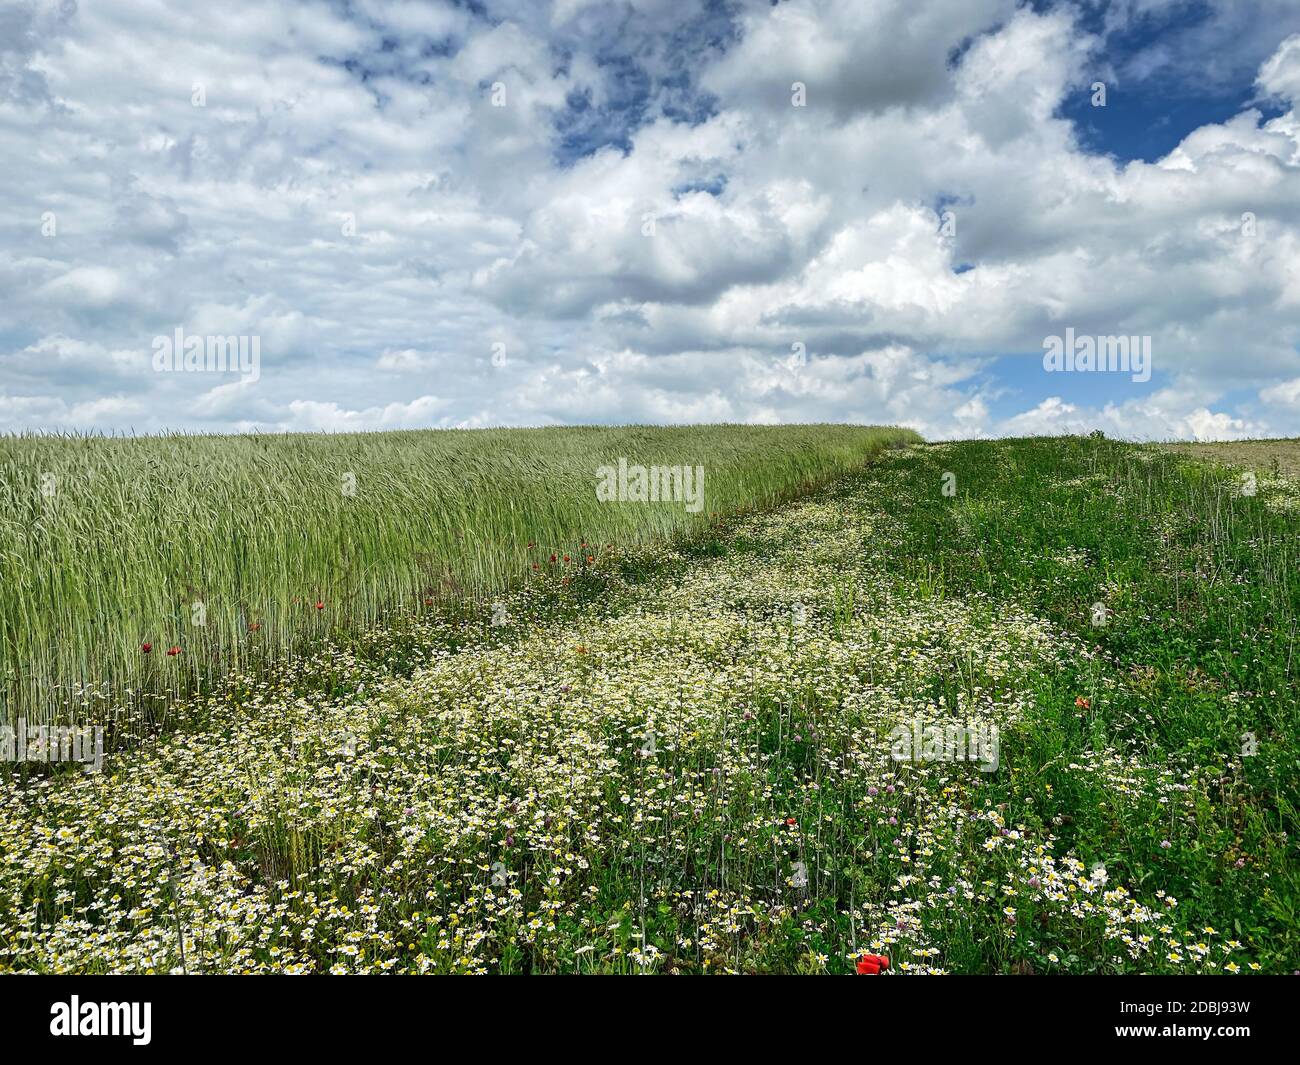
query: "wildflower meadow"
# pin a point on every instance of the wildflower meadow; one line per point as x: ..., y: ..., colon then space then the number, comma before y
x: 1014, y: 706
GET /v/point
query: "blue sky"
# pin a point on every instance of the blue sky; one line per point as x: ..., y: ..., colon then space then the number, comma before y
x: 1172, y: 74
x: 428, y: 214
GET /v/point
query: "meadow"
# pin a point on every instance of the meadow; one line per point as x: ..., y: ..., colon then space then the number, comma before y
x: 684, y: 755
x: 135, y: 571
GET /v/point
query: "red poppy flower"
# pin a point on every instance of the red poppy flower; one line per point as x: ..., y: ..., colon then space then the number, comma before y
x: 253, y: 626
x: 1083, y: 703
x: 145, y: 648
x: 552, y: 558
x: 173, y: 651
x: 320, y: 606
x: 566, y: 558
x: 872, y: 964
x: 791, y: 821
x: 590, y: 559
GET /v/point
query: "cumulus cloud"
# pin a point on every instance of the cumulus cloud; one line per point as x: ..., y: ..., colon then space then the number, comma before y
x: 1280, y: 75
x: 522, y: 213
x: 856, y: 57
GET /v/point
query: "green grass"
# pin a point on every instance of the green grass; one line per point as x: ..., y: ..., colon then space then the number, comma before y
x: 1193, y: 673
x: 678, y: 758
x: 110, y: 543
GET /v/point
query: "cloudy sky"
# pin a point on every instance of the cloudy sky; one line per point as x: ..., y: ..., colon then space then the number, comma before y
x: 510, y: 212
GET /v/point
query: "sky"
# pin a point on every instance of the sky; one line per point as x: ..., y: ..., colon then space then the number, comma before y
x: 443, y: 215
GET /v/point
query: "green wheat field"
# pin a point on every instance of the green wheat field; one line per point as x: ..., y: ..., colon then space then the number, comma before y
x: 878, y: 706
x: 220, y: 549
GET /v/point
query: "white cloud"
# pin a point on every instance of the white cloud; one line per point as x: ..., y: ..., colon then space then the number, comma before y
x: 85, y: 286
x: 350, y: 194
x: 1283, y: 394
x: 309, y: 416
x: 1280, y: 75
